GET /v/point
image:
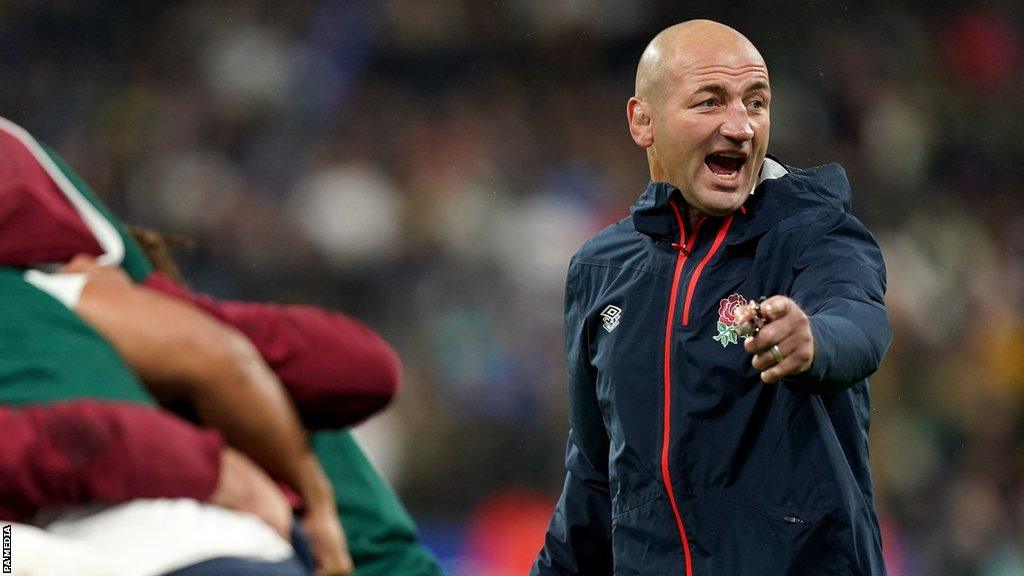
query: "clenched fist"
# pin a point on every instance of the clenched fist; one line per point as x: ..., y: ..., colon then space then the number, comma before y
x: 786, y: 327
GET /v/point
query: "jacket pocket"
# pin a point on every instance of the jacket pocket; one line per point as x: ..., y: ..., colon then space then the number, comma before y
x: 728, y: 538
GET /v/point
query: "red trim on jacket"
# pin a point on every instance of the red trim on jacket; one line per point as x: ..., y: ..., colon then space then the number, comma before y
x: 723, y: 230
x: 667, y: 372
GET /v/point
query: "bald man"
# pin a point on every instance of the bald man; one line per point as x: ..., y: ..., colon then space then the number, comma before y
x: 715, y: 433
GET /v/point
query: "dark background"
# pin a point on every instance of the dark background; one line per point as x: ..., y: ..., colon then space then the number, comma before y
x: 429, y: 166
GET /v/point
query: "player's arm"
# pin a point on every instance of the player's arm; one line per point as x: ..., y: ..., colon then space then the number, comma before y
x: 337, y: 370
x: 834, y: 330
x: 85, y: 451
x: 578, y: 540
x: 183, y: 354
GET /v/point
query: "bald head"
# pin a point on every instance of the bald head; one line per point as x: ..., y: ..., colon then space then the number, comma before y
x: 701, y: 112
x: 688, y: 43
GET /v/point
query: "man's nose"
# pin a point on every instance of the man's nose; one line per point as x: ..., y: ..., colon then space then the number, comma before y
x: 737, y: 124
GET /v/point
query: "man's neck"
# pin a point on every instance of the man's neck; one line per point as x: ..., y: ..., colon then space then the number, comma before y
x: 694, y: 216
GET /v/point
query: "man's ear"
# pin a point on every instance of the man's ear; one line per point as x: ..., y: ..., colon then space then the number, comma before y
x: 640, y: 127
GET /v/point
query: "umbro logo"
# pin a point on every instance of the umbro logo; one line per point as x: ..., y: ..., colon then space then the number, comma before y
x: 611, y: 316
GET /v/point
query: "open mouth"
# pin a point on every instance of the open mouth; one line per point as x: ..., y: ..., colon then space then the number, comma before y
x: 726, y: 165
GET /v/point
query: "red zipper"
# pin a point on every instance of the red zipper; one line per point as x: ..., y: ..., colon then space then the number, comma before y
x: 684, y: 250
x: 719, y: 238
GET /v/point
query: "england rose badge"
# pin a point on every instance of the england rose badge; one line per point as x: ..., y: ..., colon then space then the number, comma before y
x: 728, y: 308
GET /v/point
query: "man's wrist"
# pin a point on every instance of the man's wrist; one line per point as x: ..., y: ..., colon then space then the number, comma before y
x: 316, y: 490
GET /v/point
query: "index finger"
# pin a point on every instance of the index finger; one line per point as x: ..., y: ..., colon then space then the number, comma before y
x: 775, y: 307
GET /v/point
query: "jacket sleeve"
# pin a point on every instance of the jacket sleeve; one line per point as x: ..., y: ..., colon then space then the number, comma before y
x: 578, y: 540
x: 85, y: 452
x: 337, y: 370
x: 840, y: 284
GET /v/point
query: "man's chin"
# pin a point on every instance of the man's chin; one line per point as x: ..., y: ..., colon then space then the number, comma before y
x: 718, y: 202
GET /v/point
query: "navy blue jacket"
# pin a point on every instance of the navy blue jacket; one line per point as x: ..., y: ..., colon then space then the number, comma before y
x: 680, y: 460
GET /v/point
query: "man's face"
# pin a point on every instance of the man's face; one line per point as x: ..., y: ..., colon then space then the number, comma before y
x: 710, y: 125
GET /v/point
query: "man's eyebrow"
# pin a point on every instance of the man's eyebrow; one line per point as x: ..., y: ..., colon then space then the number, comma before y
x: 759, y: 85
x: 716, y: 88
x: 713, y: 88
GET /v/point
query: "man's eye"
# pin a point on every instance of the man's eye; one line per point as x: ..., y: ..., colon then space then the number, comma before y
x: 757, y: 104
x: 709, y: 103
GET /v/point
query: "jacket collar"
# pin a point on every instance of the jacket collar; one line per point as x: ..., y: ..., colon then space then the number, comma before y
x: 653, y: 217
x: 651, y: 212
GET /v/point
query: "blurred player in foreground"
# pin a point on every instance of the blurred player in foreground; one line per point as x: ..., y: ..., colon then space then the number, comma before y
x: 692, y: 452
x: 71, y: 275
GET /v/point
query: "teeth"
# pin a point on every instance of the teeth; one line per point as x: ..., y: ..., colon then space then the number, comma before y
x: 727, y: 177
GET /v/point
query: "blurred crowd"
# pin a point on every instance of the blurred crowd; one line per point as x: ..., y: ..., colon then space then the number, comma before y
x: 430, y: 166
